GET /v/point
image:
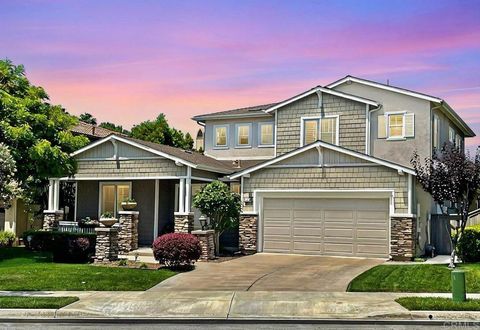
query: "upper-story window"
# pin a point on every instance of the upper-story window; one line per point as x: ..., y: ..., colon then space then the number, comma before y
x: 243, y: 135
x: 266, y: 134
x: 221, y: 136
x: 396, y: 125
x: 325, y: 129
x: 458, y: 141
x: 451, y: 135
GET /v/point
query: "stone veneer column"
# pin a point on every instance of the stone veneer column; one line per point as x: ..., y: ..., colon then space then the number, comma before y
x: 128, y: 231
x: 403, y: 237
x: 51, y: 219
x: 207, y: 241
x: 247, y: 231
x: 183, y: 222
x: 106, y: 246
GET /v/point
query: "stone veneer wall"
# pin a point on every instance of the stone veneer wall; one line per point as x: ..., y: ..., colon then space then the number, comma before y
x: 51, y: 219
x: 402, y: 243
x: 248, y: 229
x: 183, y: 222
x: 106, y: 246
x: 207, y: 242
x: 128, y: 231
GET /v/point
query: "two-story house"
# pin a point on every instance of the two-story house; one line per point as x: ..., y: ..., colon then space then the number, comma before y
x: 325, y: 172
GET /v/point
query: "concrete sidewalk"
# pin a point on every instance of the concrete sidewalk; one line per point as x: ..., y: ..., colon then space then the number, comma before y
x: 234, y: 305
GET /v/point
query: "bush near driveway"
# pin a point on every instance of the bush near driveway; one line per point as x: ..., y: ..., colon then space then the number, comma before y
x: 177, y: 249
x: 414, y: 278
x: 438, y: 304
x: 468, y: 246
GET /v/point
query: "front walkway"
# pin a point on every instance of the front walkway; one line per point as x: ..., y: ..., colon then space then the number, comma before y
x: 271, y: 272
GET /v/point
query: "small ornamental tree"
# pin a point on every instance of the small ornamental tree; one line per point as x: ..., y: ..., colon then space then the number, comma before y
x: 452, y: 178
x: 221, y: 205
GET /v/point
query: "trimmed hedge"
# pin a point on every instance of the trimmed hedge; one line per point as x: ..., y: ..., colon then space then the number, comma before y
x: 177, y: 250
x: 468, y: 246
x: 65, y: 247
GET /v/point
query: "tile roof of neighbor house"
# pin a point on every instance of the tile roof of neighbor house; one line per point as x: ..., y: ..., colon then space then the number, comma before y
x: 92, y: 130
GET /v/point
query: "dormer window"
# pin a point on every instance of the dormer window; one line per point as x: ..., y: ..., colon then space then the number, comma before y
x: 320, y: 128
x: 221, y: 136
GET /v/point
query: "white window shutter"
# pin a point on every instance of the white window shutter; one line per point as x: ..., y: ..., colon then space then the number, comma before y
x: 409, y: 125
x: 382, y: 127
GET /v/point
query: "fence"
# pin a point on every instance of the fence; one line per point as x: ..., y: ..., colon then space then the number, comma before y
x: 72, y: 227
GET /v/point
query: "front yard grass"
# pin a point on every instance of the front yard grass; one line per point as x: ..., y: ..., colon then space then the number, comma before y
x: 438, y: 304
x: 23, y: 270
x: 413, y: 278
x: 36, y: 302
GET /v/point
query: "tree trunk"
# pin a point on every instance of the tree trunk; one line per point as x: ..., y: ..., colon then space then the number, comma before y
x: 217, y: 243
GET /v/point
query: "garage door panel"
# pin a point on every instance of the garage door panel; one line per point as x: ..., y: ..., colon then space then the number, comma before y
x: 341, y: 227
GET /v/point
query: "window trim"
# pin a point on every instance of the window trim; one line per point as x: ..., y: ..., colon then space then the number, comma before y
x: 319, y: 118
x: 436, y: 132
x: 237, y: 138
x: 260, y: 124
x: 450, y: 130
x: 215, y: 145
x: 387, y: 123
x: 100, y: 193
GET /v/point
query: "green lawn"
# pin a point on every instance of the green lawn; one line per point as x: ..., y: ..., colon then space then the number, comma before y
x: 22, y: 270
x: 438, y: 304
x: 36, y: 302
x: 413, y: 278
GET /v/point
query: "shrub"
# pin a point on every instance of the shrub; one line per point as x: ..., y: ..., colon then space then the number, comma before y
x: 7, y: 238
x: 177, y: 250
x: 468, y: 246
x: 65, y: 246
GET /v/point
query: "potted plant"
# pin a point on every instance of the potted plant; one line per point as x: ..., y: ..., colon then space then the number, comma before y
x: 129, y: 204
x: 107, y: 219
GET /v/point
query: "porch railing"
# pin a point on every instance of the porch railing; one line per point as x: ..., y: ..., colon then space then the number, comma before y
x: 72, y: 227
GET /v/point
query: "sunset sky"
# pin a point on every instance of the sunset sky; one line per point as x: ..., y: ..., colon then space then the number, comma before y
x: 127, y: 61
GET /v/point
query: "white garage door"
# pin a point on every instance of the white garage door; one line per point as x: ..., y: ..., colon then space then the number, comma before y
x: 336, y: 227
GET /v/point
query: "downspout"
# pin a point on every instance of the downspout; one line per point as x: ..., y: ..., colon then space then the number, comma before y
x: 369, y: 135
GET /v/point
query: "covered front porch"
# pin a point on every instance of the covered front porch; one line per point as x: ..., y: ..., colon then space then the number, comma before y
x: 161, y: 179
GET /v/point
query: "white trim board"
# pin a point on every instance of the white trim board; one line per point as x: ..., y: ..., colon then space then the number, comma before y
x: 352, y: 153
x: 324, y: 90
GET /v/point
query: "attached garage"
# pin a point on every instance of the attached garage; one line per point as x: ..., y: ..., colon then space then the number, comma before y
x: 327, y: 226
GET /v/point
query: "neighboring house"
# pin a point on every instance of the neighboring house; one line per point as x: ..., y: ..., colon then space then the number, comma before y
x: 92, y: 132
x: 199, y: 146
x: 325, y: 172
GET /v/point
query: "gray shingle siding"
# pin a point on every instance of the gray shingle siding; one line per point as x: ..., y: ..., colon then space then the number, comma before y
x: 369, y: 177
x: 129, y: 168
x: 351, y: 126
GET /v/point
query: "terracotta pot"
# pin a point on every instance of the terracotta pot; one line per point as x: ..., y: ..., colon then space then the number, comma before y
x: 127, y: 206
x: 108, y: 222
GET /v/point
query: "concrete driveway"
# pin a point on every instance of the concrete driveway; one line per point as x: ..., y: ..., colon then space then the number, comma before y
x: 271, y: 272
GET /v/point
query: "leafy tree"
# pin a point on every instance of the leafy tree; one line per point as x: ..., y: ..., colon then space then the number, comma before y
x: 159, y: 131
x: 36, y: 132
x: 88, y: 118
x: 9, y: 188
x: 113, y: 127
x: 221, y: 205
x: 452, y: 178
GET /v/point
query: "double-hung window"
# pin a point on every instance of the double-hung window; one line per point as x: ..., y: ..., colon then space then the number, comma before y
x: 221, y: 136
x: 112, y: 194
x: 325, y: 129
x: 396, y: 125
x: 451, y: 135
x: 266, y: 134
x: 243, y: 135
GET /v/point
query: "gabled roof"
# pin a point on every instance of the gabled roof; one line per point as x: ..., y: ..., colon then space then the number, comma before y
x: 326, y: 145
x: 188, y: 158
x: 323, y: 90
x: 447, y: 109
